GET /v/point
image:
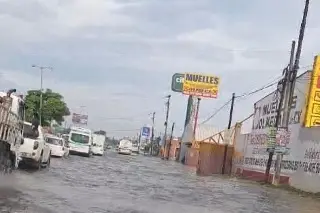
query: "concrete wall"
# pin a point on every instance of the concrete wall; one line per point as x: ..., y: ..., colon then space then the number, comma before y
x: 301, y: 165
x: 307, y: 175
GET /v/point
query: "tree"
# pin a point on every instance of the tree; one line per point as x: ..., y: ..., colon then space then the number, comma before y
x: 53, y: 107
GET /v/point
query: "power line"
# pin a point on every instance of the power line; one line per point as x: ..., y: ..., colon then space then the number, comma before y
x: 243, y: 96
x: 140, y: 116
x: 266, y: 86
x: 216, y: 112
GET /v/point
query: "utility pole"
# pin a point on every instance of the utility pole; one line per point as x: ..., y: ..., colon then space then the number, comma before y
x: 170, y: 141
x: 287, y: 106
x: 286, y: 111
x: 281, y: 95
x: 152, y: 133
x: 41, y: 89
x: 196, y: 117
x: 229, y: 127
x: 139, y: 140
x: 291, y: 77
x: 294, y: 73
x: 166, y: 124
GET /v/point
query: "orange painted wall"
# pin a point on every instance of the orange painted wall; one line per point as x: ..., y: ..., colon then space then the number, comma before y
x: 192, y: 156
x: 211, y: 159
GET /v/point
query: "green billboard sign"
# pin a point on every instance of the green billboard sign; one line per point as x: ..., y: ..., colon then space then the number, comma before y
x: 177, y: 82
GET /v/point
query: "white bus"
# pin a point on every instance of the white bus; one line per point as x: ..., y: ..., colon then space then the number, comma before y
x: 80, y: 141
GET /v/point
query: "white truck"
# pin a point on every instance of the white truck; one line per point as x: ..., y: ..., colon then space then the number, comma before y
x: 98, y: 144
x: 80, y: 141
x: 12, y: 111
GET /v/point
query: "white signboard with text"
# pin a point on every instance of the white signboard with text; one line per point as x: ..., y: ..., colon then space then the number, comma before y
x: 265, y: 111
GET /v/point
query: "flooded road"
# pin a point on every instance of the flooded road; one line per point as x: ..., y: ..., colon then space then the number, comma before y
x: 134, y: 184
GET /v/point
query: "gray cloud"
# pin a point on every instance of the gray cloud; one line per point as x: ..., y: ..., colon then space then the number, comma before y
x: 117, y: 57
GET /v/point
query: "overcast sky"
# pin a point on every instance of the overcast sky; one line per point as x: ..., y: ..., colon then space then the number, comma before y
x: 116, y: 57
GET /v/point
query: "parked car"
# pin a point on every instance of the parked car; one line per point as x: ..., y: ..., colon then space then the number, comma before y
x: 34, y: 151
x: 59, y: 147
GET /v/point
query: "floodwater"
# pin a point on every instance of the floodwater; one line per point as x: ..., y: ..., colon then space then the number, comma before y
x: 134, y: 184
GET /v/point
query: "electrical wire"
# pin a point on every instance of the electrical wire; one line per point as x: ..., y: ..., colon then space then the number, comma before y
x: 244, y: 95
x: 272, y: 83
x: 216, y: 112
x: 139, y: 116
x: 266, y: 86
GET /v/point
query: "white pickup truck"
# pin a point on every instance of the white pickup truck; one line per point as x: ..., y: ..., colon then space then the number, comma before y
x: 34, y: 151
x: 12, y: 109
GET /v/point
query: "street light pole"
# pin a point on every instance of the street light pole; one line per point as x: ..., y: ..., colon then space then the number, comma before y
x: 41, y: 89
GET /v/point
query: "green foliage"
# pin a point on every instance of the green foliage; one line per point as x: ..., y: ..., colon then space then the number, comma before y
x: 53, y: 107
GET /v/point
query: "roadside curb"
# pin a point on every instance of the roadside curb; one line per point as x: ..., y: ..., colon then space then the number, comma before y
x: 288, y: 188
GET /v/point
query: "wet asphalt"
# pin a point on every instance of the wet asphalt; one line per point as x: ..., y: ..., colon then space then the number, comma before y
x: 138, y: 184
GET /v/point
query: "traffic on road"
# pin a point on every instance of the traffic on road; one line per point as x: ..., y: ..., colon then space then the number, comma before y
x: 127, y: 183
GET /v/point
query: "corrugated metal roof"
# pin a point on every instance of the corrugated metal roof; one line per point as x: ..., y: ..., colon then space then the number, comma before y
x: 204, y: 131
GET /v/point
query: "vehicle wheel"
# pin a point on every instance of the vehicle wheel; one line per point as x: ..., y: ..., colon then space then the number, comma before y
x: 39, y: 163
x: 49, y: 161
x: 5, y: 160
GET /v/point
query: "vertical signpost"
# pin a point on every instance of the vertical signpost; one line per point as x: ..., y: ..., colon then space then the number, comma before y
x: 199, y: 85
x: 194, y: 85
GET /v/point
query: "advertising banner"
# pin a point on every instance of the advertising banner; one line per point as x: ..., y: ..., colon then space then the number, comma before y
x: 145, y: 131
x: 177, y: 82
x: 264, y: 137
x: 201, y: 85
x: 312, y: 117
x: 79, y: 119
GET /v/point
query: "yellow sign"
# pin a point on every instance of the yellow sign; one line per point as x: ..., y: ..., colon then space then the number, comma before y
x: 312, y: 116
x: 200, y: 85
